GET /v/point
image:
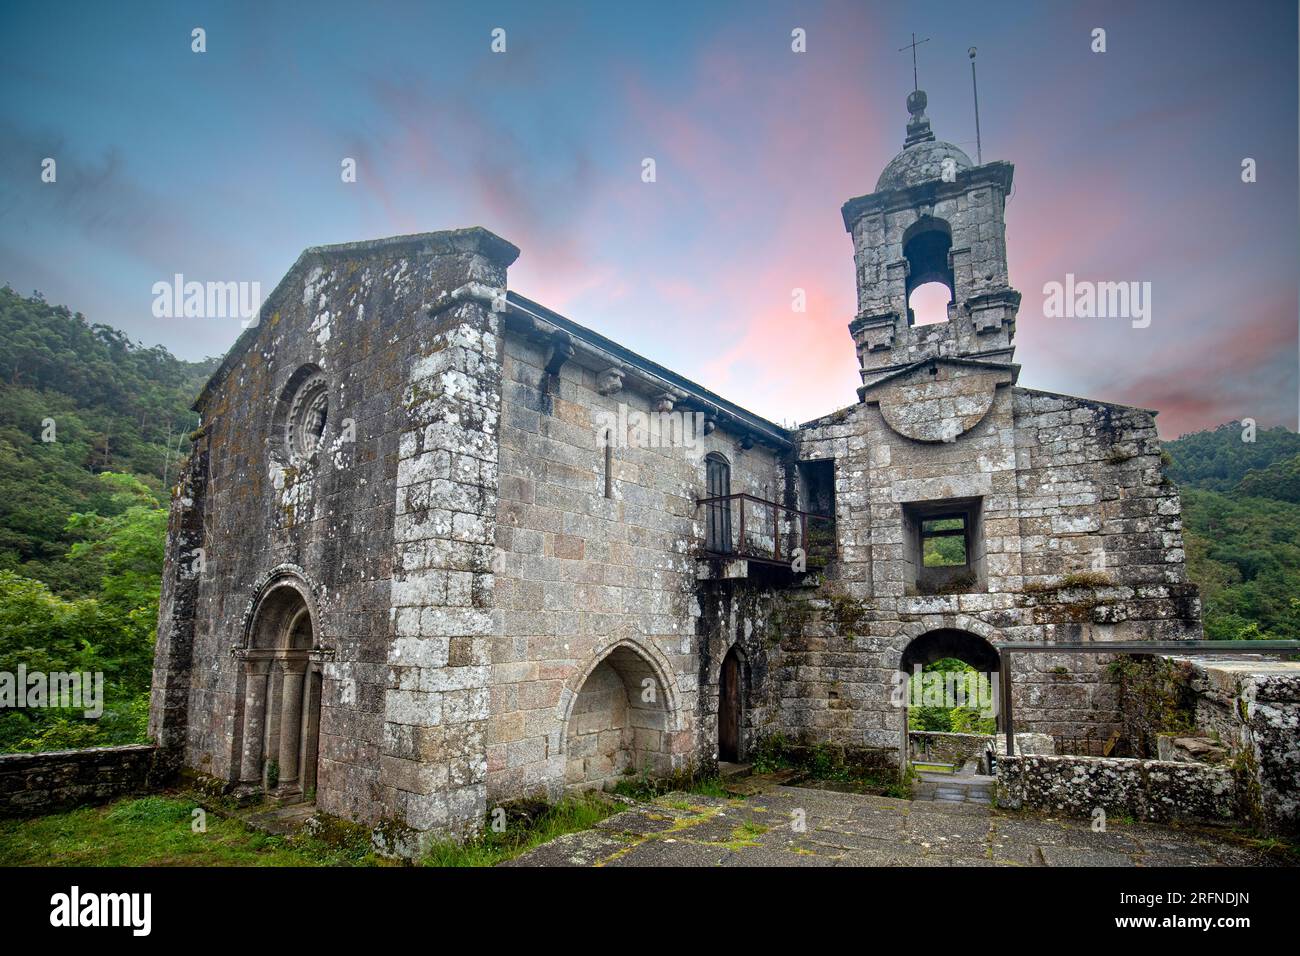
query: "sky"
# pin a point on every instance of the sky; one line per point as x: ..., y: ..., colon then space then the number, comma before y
x: 224, y: 165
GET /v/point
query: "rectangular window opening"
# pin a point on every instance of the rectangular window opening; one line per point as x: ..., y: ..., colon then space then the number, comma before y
x: 943, y: 546
x: 943, y: 542
x: 817, y: 497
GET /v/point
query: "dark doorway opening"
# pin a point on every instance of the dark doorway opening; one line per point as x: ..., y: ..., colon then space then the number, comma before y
x: 817, y: 496
x: 730, y: 707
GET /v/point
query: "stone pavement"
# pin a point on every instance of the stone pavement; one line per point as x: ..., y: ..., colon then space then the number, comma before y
x: 848, y: 829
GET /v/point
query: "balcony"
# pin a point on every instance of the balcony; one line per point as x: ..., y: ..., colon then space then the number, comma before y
x: 742, y: 528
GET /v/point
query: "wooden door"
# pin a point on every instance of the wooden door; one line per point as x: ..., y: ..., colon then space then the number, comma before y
x: 729, y: 705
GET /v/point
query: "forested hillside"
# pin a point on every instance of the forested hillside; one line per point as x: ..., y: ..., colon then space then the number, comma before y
x: 1221, y: 459
x: 92, y: 427
x: 1241, y: 514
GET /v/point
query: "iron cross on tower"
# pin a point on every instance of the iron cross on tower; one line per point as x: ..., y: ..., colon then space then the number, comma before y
x: 914, y: 44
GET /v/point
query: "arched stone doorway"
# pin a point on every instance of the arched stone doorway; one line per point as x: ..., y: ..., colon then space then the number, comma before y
x: 950, y: 642
x: 963, y: 684
x: 282, y: 691
x: 618, y: 724
x: 731, y: 707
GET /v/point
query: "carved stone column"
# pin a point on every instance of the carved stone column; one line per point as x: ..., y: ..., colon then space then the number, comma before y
x: 310, y: 727
x: 291, y: 721
x: 250, y: 761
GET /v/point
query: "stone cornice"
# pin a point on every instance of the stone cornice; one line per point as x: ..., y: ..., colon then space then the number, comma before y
x: 883, y: 376
x: 997, y: 174
x: 659, y: 384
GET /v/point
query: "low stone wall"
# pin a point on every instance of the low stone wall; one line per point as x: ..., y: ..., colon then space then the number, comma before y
x: 1249, y: 705
x: 59, y: 779
x: 947, y: 748
x: 1153, y: 790
x: 958, y: 748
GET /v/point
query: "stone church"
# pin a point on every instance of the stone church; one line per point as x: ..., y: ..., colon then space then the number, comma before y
x: 438, y: 547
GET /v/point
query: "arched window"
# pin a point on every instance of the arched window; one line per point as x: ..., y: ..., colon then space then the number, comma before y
x: 928, y: 304
x: 926, y: 245
x: 717, y: 537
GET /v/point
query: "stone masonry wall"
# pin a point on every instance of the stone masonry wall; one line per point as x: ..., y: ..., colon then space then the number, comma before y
x: 1249, y: 705
x: 169, y: 695
x: 1152, y: 790
x: 948, y: 747
x: 579, y: 575
x: 359, y: 313
x: 747, y: 615
x: 433, y: 767
x: 974, y: 208
x: 58, y: 779
x: 1081, y: 541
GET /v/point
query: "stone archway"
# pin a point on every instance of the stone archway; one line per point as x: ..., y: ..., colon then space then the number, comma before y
x: 282, y: 694
x: 950, y: 730
x: 619, y: 722
x: 948, y: 642
x: 972, y: 650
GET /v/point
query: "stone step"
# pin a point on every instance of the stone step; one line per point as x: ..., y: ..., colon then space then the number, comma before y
x: 755, y: 783
x: 955, y: 788
x: 933, y: 766
x: 733, y: 771
x: 281, y: 820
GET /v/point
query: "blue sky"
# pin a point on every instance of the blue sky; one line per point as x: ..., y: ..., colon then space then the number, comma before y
x: 225, y: 165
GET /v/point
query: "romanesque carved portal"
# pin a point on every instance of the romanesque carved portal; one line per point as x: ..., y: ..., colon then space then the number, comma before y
x: 282, y: 689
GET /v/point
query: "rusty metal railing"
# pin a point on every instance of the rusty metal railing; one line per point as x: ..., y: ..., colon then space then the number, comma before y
x: 761, y: 528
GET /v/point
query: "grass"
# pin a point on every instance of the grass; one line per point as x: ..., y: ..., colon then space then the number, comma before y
x: 826, y: 763
x: 646, y: 788
x: 528, y: 826
x: 1284, y: 849
x: 922, y: 766
x: 747, y: 834
x: 158, y: 831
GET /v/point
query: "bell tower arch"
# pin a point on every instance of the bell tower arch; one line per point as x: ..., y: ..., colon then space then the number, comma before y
x: 934, y: 217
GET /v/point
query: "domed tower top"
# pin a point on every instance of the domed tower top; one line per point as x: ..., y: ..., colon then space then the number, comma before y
x: 934, y: 217
x: 923, y: 157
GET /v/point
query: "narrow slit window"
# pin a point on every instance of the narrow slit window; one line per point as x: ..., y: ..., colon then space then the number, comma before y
x: 609, y: 464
